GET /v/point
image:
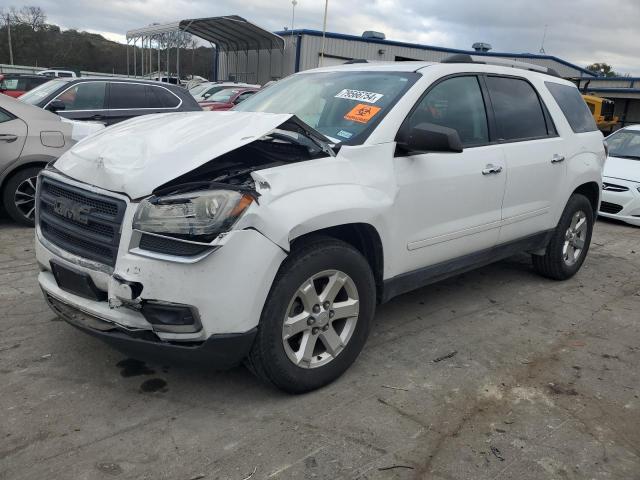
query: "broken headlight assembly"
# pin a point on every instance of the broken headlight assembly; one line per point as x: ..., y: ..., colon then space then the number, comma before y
x: 198, y: 216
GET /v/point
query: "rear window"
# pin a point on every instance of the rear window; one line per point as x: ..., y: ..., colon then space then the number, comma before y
x: 573, y: 106
x: 517, y: 108
x: 160, y: 97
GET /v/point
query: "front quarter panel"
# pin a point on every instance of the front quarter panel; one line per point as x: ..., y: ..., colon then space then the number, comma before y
x: 357, y: 186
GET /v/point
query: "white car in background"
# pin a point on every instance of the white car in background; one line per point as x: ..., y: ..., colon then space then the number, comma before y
x: 203, y: 91
x: 621, y: 177
x: 58, y: 73
x: 31, y: 137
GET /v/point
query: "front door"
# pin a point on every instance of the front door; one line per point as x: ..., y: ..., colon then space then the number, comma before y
x: 84, y: 101
x: 449, y: 204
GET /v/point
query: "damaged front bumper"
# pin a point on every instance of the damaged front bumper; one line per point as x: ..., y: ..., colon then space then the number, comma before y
x: 219, y: 351
x: 221, y: 293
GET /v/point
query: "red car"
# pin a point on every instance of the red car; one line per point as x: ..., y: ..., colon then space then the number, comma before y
x: 227, y: 98
x: 15, y: 84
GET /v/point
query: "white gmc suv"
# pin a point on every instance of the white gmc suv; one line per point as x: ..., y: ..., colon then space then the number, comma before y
x: 270, y: 233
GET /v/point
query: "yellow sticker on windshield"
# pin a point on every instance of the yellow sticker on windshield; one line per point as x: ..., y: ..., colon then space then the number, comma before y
x: 362, y: 113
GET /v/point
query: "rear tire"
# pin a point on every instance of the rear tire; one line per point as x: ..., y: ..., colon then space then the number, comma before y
x: 570, y: 242
x: 323, y: 293
x: 19, y: 196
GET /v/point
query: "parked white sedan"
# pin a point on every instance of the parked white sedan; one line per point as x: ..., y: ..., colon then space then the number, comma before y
x: 621, y: 177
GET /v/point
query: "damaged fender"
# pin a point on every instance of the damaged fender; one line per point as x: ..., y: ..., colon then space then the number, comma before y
x: 345, y: 189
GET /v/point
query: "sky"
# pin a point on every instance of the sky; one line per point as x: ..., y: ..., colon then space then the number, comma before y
x: 579, y: 31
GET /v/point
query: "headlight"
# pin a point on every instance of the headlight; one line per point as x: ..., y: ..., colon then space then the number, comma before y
x: 198, y: 216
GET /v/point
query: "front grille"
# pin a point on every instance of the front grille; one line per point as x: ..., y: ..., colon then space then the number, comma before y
x: 81, y: 222
x: 169, y: 246
x: 606, y: 207
x: 612, y: 187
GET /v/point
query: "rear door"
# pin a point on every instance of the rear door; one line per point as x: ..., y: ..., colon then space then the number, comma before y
x: 534, y: 156
x: 13, y: 133
x: 126, y: 100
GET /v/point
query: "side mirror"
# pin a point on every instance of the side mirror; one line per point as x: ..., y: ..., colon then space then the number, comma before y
x: 56, y: 105
x: 429, y: 137
x: 206, y: 95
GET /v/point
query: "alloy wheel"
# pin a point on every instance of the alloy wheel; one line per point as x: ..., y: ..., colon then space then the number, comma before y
x: 321, y: 318
x: 25, y: 197
x: 575, y: 238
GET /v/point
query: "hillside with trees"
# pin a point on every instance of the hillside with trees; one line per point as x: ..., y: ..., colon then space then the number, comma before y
x: 38, y: 43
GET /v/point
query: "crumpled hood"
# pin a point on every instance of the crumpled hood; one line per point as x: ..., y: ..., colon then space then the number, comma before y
x: 139, y: 155
x: 623, y: 168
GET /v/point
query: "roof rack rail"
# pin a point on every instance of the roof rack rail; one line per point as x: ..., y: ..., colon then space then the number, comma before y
x: 502, y: 62
x: 356, y: 60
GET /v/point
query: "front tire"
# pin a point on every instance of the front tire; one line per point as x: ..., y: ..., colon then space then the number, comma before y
x: 19, y: 196
x: 570, y: 242
x: 316, y: 318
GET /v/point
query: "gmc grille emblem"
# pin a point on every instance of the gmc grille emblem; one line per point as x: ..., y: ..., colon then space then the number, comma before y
x: 72, y: 210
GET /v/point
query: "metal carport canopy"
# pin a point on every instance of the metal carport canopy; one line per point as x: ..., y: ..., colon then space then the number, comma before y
x: 230, y: 33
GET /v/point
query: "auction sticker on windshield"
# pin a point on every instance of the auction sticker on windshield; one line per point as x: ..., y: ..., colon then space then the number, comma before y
x: 359, y: 95
x: 362, y: 113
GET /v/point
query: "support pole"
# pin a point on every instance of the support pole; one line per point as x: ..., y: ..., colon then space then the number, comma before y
x: 135, y: 55
x: 177, y: 58
x: 127, y: 57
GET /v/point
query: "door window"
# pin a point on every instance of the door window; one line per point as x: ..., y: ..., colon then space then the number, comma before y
x: 126, y: 96
x: 455, y: 103
x: 84, y: 96
x: 243, y: 96
x: 5, y: 117
x: 518, y: 111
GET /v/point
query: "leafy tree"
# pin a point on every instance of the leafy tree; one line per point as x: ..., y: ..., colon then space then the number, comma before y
x: 38, y: 43
x: 602, y: 69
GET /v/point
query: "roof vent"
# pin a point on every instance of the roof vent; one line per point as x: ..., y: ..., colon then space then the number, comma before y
x: 372, y: 34
x: 481, y: 47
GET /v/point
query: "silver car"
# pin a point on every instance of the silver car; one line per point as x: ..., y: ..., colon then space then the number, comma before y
x: 30, y: 137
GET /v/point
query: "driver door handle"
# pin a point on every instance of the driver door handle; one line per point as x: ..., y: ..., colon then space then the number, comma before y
x: 557, y: 158
x: 491, y: 169
x: 7, y: 137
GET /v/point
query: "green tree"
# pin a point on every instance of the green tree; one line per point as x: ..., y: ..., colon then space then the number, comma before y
x: 602, y: 69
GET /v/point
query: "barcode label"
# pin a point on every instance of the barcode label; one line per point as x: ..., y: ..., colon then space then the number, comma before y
x: 359, y: 95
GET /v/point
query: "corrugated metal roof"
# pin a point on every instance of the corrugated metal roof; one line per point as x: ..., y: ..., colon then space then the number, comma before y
x: 230, y: 33
x: 530, y: 56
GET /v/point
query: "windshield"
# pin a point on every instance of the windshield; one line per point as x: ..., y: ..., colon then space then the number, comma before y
x: 41, y: 92
x: 342, y: 105
x: 223, y: 96
x: 208, y: 92
x: 625, y: 144
x: 198, y: 89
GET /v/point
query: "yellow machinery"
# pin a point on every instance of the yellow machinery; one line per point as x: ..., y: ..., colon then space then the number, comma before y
x: 602, y: 111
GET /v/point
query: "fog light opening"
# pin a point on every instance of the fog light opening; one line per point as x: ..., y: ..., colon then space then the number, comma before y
x: 171, y: 317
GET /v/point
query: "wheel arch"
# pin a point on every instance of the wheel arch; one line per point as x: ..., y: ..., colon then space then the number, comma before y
x: 591, y: 190
x: 364, y: 237
x: 22, y: 164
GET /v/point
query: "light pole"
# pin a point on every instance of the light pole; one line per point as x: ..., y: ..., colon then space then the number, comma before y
x: 9, y: 35
x: 324, y: 31
x: 293, y: 12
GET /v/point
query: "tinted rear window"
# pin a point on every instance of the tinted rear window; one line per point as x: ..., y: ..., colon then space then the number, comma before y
x: 127, y: 95
x: 573, y: 106
x: 159, y: 97
x: 518, y: 111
